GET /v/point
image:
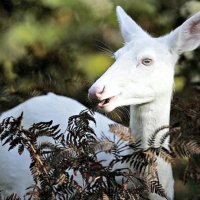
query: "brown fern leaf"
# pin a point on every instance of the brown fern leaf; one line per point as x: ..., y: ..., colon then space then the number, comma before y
x: 105, y: 197
x: 190, y: 172
x: 193, y: 147
x: 13, y: 197
x: 152, y: 181
x: 152, y: 138
x: 149, y: 153
x: 69, y: 152
x: 103, y: 146
x: 122, y: 132
x: 163, y: 153
x: 156, y: 187
x: 127, y: 195
x: 142, y: 161
x: 167, y: 156
x: 185, y: 147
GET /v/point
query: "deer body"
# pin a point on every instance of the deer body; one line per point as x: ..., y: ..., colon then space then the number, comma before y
x: 15, y: 175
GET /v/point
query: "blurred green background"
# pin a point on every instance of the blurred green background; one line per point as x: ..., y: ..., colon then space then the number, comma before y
x: 62, y: 46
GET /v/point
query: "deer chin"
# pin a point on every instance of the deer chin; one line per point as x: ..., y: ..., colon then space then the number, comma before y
x: 108, y: 104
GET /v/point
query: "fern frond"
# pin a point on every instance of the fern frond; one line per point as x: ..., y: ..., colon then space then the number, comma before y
x: 167, y: 156
x: 103, y: 146
x: 164, y: 137
x: 152, y: 138
x: 127, y: 194
x: 122, y: 132
x: 105, y: 197
x: 163, y: 153
x: 140, y: 160
x: 13, y: 197
x: 78, y: 151
x: 43, y: 146
x: 185, y: 147
x: 69, y: 153
x: 21, y: 148
x: 156, y: 187
x: 45, y: 129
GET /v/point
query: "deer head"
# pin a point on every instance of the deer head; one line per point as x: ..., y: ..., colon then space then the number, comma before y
x: 144, y: 68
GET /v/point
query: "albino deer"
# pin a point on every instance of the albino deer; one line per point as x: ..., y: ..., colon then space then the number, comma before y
x: 141, y: 77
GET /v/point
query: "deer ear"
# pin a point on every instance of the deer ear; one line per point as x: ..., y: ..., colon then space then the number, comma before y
x: 187, y: 36
x: 129, y: 29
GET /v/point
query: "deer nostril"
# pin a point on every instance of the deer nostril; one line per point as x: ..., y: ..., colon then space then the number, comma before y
x: 99, y: 91
x: 95, y: 92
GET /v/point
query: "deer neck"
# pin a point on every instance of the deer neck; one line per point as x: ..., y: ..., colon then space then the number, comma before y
x: 147, y: 118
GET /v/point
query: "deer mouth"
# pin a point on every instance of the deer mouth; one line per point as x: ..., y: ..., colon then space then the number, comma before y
x: 105, y: 102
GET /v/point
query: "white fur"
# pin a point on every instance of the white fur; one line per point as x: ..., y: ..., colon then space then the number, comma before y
x: 147, y: 88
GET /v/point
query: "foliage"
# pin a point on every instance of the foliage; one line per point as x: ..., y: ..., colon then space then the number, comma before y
x: 57, y: 163
x: 185, y: 138
x: 78, y: 151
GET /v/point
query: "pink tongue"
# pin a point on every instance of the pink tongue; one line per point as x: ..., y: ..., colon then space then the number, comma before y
x: 103, y: 103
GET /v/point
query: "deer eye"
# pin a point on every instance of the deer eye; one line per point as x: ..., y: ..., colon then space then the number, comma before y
x: 147, y: 61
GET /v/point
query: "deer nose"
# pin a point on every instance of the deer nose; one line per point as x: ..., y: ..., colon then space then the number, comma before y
x: 95, y: 92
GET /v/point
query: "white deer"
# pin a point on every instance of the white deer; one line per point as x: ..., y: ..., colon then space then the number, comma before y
x: 141, y: 77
